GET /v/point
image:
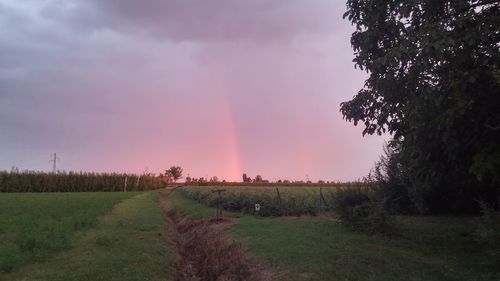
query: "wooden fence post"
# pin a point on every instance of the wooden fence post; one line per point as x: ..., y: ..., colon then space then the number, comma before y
x: 320, y: 205
x: 322, y: 197
x: 279, y: 201
x: 218, y: 211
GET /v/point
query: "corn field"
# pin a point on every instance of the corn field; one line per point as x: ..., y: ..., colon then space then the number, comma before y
x: 29, y: 181
x: 273, y: 200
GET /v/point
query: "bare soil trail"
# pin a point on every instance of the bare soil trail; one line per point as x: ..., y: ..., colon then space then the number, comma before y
x: 204, y: 252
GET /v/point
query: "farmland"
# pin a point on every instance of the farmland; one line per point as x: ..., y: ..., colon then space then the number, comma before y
x: 296, y: 236
x: 208, y: 140
x: 85, y: 236
x: 319, y: 248
x: 33, y: 181
x: 275, y: 200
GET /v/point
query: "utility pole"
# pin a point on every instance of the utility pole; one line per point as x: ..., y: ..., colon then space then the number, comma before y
x: 53, y: 160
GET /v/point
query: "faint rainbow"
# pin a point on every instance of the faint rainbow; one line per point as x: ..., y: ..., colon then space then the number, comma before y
x: 233, y: 148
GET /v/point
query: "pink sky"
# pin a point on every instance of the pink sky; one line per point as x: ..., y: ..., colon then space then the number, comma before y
x: 218, y: 87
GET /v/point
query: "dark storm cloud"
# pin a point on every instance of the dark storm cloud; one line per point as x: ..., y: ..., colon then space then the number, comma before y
x: 200, y: 20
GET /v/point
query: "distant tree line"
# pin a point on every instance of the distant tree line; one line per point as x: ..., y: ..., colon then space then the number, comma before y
x: 259, y: 181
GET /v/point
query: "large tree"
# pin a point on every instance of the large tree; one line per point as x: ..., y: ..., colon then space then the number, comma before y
x: 434, y: 84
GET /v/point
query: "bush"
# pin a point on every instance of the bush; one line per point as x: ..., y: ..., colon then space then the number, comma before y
x: 392, y: 175
x: 379, y: 218
x: 485, y: 228
x: 351, y: 205
x: 363, y: 209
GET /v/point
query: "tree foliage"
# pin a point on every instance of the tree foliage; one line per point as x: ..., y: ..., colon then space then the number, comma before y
x: 392, y: 178
x: 434, y: 84
x: 246, y: 178
x: 175, y: 172
x: 258, y: 178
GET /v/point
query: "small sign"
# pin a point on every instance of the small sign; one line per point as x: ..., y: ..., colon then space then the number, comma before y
x: 257, y: 207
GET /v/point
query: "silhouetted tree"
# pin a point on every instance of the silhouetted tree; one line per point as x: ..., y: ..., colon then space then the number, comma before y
x: 434, y: 84
x: 175, y: 172
x: 258, y: 178
x: 246, y: 178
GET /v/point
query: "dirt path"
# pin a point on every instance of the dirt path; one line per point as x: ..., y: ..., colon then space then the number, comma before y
x: 204, y: 253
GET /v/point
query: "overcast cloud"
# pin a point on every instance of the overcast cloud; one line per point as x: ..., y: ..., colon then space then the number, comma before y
x: 220, y: 87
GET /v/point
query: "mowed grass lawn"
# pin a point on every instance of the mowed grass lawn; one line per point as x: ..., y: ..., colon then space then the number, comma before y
x: 82, y: 236
x: 319, y: 248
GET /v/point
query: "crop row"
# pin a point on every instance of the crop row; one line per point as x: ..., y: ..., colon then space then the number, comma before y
x: 75, y: 182
x: 273, y: 201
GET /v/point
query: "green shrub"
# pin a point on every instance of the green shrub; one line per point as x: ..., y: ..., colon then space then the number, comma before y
x: 391, y: 174
x: 485, y: 229
x: 363, y: 209
x: 351, y: 205
x: 379, y: 220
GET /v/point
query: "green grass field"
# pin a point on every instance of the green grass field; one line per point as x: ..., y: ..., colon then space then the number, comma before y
x: 82, y: 236
x: 319, y: 248
x: 118, y: 236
